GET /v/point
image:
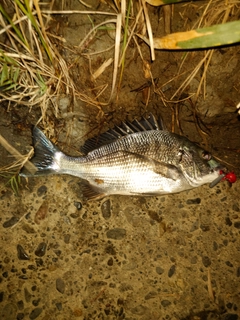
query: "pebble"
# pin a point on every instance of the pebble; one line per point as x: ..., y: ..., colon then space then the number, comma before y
x: 8, y: 312
x: 106, y: 209
x: 139, y: 310
x: 237, y: 224
x: 238, y: 272
x: 59, y: 306
x: 20, y: 316
x: 194, y: 201
x: 35, y: 313
x: 27, y: 295
x: 154, y: 216
x: 60, y: 285
x: 166, y: 303
x: 11, y: 222
x: 159, y: 270
x: 22, y: 255
x: 116, y: 233
x: 151, y: 295
x: 78, y: 205
x: 171, y: 271
x: 41, y: 191
x: 41, y: 249
x: 206, y: 261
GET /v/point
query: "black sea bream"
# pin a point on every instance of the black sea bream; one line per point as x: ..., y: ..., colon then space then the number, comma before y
x: 138, y: 158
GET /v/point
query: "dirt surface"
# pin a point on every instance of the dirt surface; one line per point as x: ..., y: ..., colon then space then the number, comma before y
x: 168, y: 257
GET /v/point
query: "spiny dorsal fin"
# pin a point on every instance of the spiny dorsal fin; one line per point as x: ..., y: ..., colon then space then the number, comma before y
x: 126, y: 128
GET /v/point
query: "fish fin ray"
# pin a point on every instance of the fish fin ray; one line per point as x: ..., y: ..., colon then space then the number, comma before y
x: 126, y: 128
x: 89, y: 192
x: 44, y: 152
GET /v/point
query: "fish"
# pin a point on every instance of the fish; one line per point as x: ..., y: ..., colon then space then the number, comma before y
x: 136, y: 158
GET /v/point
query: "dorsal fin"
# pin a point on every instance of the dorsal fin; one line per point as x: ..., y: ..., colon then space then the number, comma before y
x: 126, y: 128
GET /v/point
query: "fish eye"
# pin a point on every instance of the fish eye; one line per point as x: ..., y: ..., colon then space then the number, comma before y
x: 206, y: 155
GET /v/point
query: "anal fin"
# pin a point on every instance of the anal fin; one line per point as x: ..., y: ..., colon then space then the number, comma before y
x: 89, y: 192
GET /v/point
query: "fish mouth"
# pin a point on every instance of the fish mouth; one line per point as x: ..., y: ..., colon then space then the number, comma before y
x: 222, y: 174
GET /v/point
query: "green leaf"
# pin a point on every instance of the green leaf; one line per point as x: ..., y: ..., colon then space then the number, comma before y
x: 214, y: 36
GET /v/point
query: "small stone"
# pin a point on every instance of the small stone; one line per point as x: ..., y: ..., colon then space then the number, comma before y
x: 77, y: 313
x: 41, y: 249
x: 154, y: 216
x: 194, y: 260
x: 67, y: 238
x: 215, y: 246
x: 59, y: 306
x: 237, y: 224
x: 20, y: 316
x: 110, y: 262
x: 78, y: 205
x: 166, y: 303
x: 27, y: 295
x: 11, y: 222
x: 238, y: 272
x: 110, y: 250
x: 41, y: 191
x: 228, y: 221
x: 151, y: 295
x: 22, y: 255
x: 35, y: 313
x: 139, y: 310
x: 194, y: 201
x: 27, y: 228
x: 159, y: 270
x: 206, y: 261
x: 235, y: 207
x: 20, y: 305
x: 229, y: 264
x: 8, y: 312
x: 116, y: 233
x: 171, y: 271
x: 106, y: 209
x: 60, y: 285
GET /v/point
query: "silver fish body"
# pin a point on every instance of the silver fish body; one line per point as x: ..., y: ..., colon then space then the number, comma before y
x: 135, y: 159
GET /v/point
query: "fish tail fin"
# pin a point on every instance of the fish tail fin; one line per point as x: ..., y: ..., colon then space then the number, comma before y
x: 46, y: 155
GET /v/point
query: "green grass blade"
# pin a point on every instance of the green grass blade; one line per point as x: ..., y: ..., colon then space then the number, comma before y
x: 15, y: 28
x: 214, y: 36
x: 28, y: 12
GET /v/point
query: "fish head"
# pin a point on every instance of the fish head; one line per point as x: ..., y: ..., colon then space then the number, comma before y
x: 198, y: 165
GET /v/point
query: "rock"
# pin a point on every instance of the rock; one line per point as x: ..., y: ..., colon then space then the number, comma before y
x: 60, y: 285
x: 9, y: 312
x: 21, y: 253
x: 106, y: 209
x: 41, y: 191
x: 159, y: 270
x: 41, y: 249
x: 166, y: 303
x: 116, y: 233
x: 171, y: 271
x: 206, y: 261
x: 193, y: 201
x: 11, y: 222
x: 35, y: 313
